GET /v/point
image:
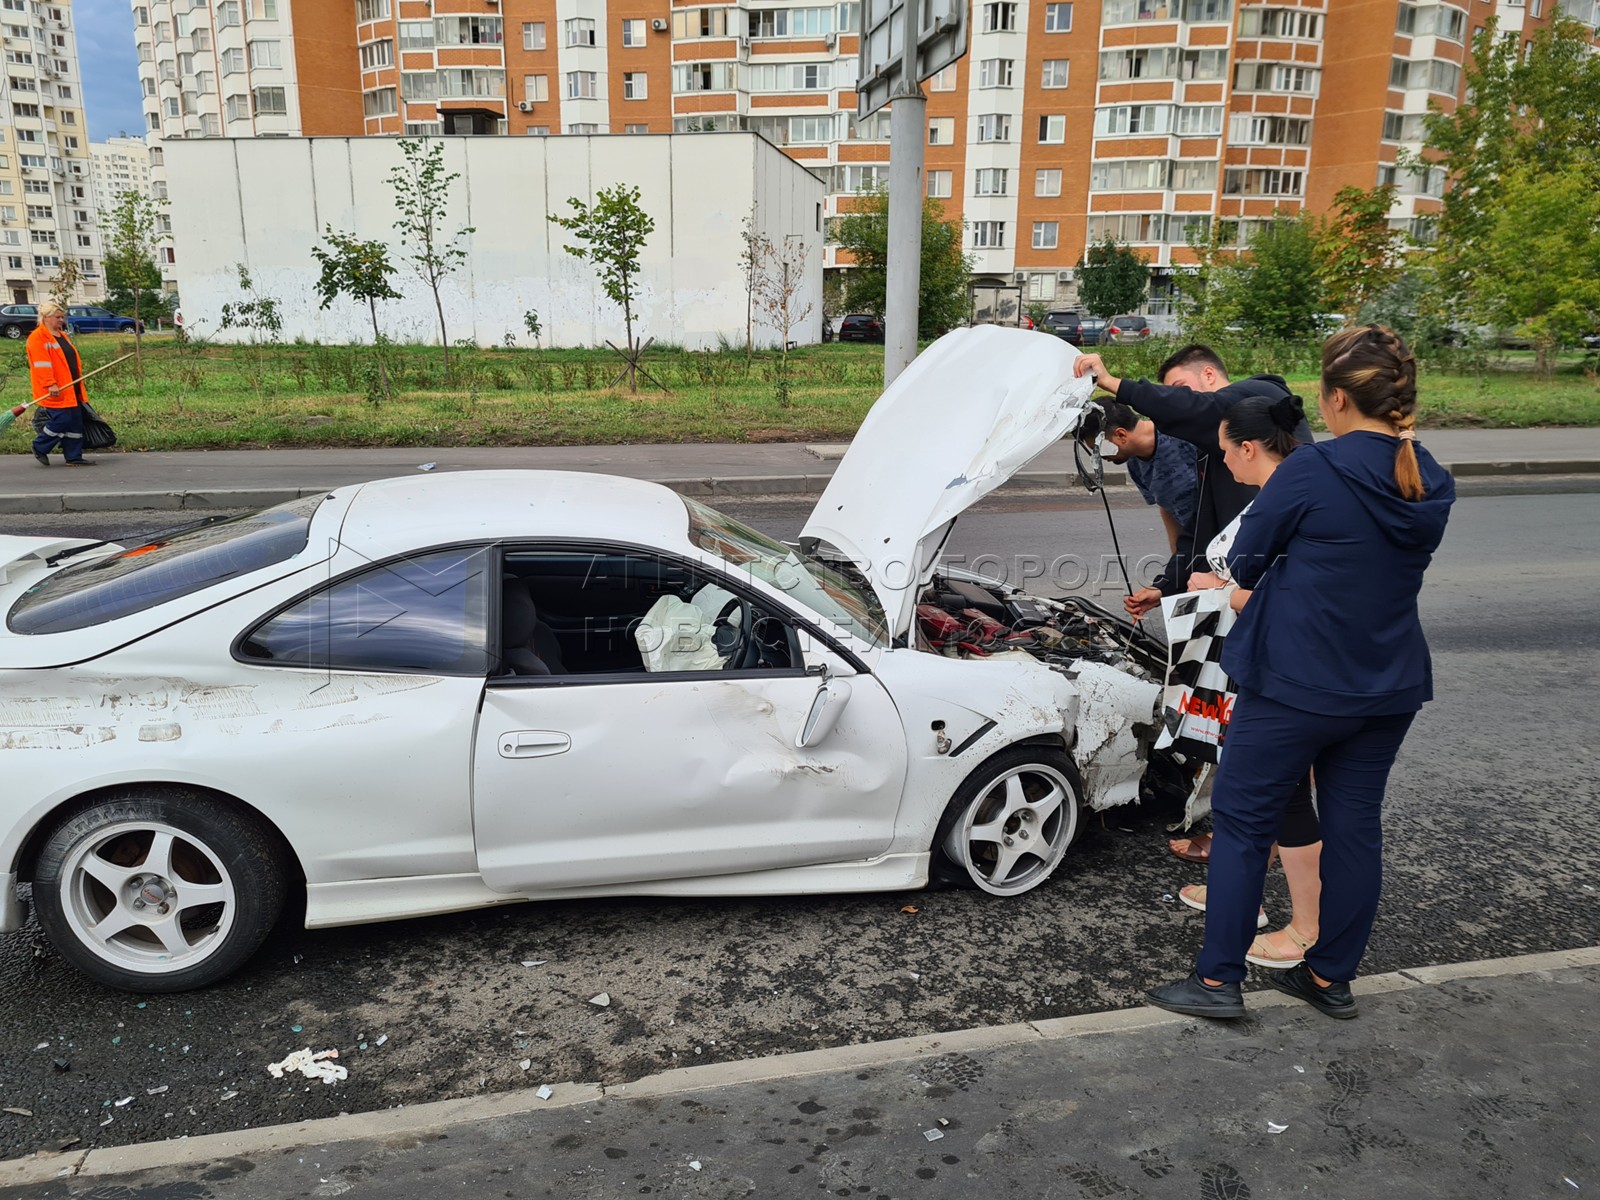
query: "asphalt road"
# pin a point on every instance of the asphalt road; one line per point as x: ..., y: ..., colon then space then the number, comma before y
x: 1491, y: 852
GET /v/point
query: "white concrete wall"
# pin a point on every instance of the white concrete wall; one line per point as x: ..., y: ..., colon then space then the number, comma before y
x: 265, y: 202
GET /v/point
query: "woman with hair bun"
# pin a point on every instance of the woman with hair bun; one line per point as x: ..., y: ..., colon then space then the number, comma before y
x: 1331, y: 667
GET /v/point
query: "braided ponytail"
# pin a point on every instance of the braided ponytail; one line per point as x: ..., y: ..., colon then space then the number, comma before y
x: 1374, y: 367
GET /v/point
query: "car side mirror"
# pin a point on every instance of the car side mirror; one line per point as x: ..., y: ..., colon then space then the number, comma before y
x: 832, y: 695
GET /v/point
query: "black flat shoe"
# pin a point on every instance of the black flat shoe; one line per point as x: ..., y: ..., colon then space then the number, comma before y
x: 1194, y: 997
x: 80, y: 462
x: 42, y: 459
x: 1335, y: 999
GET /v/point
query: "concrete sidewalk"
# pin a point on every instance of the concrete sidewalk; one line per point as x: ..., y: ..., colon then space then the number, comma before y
x: 1476, y: 1080
x: 242, y: 478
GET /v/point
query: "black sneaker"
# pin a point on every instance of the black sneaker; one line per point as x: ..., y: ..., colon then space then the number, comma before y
x: 80, y: 462
x: 1194, y: 997
x: 42, y: 459
x: 1335, y: 999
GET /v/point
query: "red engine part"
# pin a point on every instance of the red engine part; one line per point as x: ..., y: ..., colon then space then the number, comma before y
x: 937, y: 625
x: 981, y: 627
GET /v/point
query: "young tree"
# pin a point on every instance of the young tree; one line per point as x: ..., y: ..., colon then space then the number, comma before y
x: 134, y: 232
x: 422, y: 194
x: 609, y: 235
x: 64, y: 287
x: 1272, y: 286
x: 1358, y: 255
x: 1537, y: 265
x: 780, y: 275
x: 753, y: 250
x: 257, y: 313
x: 942, y: 297
x: 360, y: 270
x: 1112, y: 278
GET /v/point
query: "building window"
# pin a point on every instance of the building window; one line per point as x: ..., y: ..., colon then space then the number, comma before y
x: 228, y: 14
x: 944, y: 81
x: 990, y: 181
x: 988, y: 235
x: 1437, y: 20
x: 366, y: 10
x: 1261, y: 182
x: 264, y: 10
x: 1055, y: 73
x: 582, y: 85
x: 1046, y: 234
x: 994, y: 127
x: 699, y: 23
x: 1000, y: 17
x: 472, y: 81
x: 380, y: 103
x: 1058, y: 18
x: 536, y: 88
x: 232, y: 61
x: 1052, y: 129
x: 538, y: 131
x: 635, y: 85
x: 270, y: 102
x: 812, y: 129
x: 1434, y: 75
x: 472, y: 31
x: 533, y: 35
x: 1278, y: 77
x: 995, y: 72
x: 633, y: 31
x: 373, y: 55
x: 941, y: 131
x: 1047, y: 182
x: 267, y: 54
x: 703, y: 77
x: 939, y: 184
x: 1288, y: 23
x: 636, y: 129
x: 583, y: 128
x: 419, y: 85
x: 790, y: 22
x: 580, y: 32
x: 1246, y: 130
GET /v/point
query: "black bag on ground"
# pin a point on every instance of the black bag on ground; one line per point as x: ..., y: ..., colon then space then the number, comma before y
x: 97, y: 435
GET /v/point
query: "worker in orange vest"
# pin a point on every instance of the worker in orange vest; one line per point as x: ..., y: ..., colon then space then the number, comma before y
x: 57, y: 374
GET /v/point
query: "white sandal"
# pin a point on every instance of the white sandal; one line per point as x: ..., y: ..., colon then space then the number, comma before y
x: 1194, y: 895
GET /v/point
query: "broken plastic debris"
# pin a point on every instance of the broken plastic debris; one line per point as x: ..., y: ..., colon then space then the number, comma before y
x: 124, y: 1102
x: 106, y: 1122
x: 1047, y: 1001
x: 312, y: 1066
x: 1274, y: 1127
x: 383, y: 1039
x: 427, y: 466
x: 227, y: 1095
x: 534, y: 962
x: 695, y: 1165
x: 933, y: 1135
x: 912, y: 909
x: 915, y: 975
x: 21, y: 1112
x: 41, y: 1046
x: 1166, y: 897
x: 297, y: 1029
x: 545, y: 1091
x: 945, y: 1121
x: 526, y: 1064
x: 603, y: 1000
x: 1300, y: 1069
x: 1564, y: 1178
x: 156, y: 1091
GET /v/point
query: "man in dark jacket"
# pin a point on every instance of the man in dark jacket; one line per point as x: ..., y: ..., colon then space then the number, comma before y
x: 1189, y: 403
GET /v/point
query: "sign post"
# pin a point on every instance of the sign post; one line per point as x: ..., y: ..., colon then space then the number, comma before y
x: 904, y: 42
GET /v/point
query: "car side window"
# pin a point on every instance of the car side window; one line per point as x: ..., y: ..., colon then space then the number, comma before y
x: 611, y: 616
x: 423, y: 614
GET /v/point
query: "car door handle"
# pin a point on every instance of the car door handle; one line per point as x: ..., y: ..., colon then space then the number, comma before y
x: 533, y: 743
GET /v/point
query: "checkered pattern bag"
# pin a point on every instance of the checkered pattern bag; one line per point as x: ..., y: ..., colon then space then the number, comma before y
x: 1198, y: 700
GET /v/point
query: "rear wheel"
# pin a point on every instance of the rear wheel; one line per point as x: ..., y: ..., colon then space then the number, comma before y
x: 1010, y: 823
x: 158, y: 892
x: 14, y: 332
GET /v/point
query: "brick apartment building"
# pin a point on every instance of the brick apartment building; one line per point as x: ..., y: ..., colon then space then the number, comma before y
x: 1144, y: 119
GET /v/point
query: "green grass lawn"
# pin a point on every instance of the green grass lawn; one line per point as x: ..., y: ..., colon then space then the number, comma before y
x: 237, y: 397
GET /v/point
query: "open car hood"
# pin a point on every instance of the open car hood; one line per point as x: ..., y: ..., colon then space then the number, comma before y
x: 972, y: 410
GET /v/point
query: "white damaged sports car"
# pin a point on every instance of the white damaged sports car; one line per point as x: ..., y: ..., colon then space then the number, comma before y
x: 440, y: 692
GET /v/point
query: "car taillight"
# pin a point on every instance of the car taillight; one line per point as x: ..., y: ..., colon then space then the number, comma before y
x: 1113, y: 331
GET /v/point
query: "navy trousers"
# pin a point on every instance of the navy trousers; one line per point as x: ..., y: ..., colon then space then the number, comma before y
x: 1270, y: 747
x: 63, y: 426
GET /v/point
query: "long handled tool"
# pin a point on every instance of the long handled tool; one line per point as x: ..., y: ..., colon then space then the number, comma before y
x: 8, y: 418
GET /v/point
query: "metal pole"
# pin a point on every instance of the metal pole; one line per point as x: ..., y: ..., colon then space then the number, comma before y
x: 908, y: 125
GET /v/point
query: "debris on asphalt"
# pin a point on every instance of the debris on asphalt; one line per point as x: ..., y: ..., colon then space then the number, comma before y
x: 534, y: 962
x: 945, y: 1121
x: 107, y: 1121
x: 381, y: 1040
x: 1274, y: 1127
x: 1564, y: 1178
x: 545, y: 1091
x: 20, y: 1112
x: 933, y: 1135
x: 41, y: 1046
x: 61, y: 1064
x: 1166, y: 897
x: 1047, y: 1001
x: 1300, y: 1069
x: 603, y: 1000
x: 124, y: 1102
x: 312, y: 1066
x: 526, y: 1064
x: 695, y: 1165
x: 911, y: 910
x: 227, y: 1095
x: 156, y: 1091
x: 915, y: 975
x: 297, y: 1029
x: 427, y: 466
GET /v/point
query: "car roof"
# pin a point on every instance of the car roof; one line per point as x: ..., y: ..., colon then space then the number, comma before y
x: 392, y: 516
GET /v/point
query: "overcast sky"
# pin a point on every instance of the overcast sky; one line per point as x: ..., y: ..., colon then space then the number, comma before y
x: 110, y: 68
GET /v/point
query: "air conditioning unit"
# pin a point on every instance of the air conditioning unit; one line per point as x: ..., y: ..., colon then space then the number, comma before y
x: 1063, y: 276
x: 524, y: 105
x: 744, y: 45
x: 1019, y: 277
x: 830, y: 40
x: 659, y: 24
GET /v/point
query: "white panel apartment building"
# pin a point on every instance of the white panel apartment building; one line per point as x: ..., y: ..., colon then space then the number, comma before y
x: 47, y: 208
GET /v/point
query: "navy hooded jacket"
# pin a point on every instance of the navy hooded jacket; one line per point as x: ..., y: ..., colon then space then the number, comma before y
x: 1335, y: 556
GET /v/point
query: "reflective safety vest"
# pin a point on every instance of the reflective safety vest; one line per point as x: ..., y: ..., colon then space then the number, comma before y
x: 47, y: 366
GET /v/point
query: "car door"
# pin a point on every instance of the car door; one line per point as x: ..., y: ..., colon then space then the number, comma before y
x: 604, y: 776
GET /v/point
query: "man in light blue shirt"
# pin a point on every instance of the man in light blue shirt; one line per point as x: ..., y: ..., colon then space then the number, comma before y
x: 1162, y: 467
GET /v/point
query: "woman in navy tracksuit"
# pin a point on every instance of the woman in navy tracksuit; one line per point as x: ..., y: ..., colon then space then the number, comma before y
x: 1331, y: 668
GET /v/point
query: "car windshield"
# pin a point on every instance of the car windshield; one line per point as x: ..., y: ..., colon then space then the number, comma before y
x: 164, y: 568
x: 810, y: 583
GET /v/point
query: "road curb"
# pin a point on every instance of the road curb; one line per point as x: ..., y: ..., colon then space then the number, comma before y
x: 707, y: 487
x: 430, y: 1118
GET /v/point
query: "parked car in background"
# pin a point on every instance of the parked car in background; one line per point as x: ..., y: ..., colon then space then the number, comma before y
x: 861, y: 327
x: 90, y: 318
x: 1591, y: 341
x: 1075, y: 328
x: 17, y: 321
x: 1128, y: 329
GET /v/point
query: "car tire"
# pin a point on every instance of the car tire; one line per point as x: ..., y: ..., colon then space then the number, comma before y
x: 159, y: 891
x: 993, y: 835
x: 14, y: 332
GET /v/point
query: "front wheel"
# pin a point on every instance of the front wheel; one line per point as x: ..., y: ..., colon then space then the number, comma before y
x: 158, y: 892
x: 14, y: 332
x: 1010, y: 822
